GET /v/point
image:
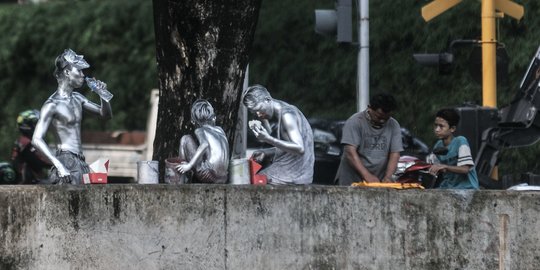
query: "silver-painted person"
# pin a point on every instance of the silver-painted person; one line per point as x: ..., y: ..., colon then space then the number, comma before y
x: 64, y: 109
x: 292, y: 157
x: 209, y: 158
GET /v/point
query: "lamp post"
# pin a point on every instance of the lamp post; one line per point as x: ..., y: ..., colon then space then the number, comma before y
x: 363, y: 56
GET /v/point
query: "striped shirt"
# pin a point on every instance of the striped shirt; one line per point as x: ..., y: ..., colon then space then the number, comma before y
x: 459, y: 154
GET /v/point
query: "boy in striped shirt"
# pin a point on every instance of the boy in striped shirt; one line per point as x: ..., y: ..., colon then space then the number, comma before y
x: 457, y: 165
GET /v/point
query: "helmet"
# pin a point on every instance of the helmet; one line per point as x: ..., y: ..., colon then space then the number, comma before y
x: 7, y: 174
x: 26, y: 121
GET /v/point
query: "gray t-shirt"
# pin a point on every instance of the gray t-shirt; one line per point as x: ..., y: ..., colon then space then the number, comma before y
x: 372, y: 145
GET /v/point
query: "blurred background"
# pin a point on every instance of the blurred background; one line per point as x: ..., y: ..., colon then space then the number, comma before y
x: 288, y: 57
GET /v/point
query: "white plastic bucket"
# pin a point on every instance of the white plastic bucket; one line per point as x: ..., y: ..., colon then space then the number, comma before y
x: 239, y: 172
x: 148, y: 172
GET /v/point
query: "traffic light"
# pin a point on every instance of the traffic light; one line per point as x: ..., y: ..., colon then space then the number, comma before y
x: 335, y: 21
x: 441, y: 60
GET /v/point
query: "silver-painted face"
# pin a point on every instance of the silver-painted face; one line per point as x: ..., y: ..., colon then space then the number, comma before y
x: 262, y: 110
x: 75, y: 77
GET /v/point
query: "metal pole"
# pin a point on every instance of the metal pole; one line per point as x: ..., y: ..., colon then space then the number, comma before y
x: 489, y: 55
x: 240, y: 137
x: 489, y: 61
x: 362, y: 84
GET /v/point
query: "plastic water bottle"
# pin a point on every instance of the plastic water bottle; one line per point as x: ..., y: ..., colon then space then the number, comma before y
x: 102, y: 92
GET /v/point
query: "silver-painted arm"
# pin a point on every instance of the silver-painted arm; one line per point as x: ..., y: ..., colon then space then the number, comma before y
x: 296, y: 143
x: 104, y: 110
x: 184, y: 167
x: 266, y: 125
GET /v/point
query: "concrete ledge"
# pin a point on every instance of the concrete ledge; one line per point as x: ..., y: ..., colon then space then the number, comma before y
x: 265, y: 227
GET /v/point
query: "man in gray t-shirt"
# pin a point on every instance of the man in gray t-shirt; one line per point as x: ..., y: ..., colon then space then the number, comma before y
x: 372, y: 142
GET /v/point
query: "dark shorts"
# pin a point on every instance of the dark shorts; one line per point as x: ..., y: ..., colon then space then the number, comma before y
x: 74, y: 163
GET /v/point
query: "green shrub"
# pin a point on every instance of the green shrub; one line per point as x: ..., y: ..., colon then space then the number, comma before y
x: 116, y: 38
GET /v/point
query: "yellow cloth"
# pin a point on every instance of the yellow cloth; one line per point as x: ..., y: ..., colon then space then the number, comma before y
x: 388, y: 185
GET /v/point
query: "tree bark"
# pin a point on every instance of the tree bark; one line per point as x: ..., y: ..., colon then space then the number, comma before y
x: 202, y: 50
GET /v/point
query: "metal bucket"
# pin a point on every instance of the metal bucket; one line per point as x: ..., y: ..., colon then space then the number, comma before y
x: 239, y: 172
x: 172, y: 176
x: 148, y: 172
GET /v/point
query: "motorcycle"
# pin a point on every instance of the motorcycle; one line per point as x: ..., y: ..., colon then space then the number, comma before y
x: 412, y: 169
x: 7, y: 174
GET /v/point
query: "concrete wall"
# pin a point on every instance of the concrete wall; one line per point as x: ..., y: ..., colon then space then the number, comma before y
x: 265, y: 227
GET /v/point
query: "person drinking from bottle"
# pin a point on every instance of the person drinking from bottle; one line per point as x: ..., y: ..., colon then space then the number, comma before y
x: 63, y: 110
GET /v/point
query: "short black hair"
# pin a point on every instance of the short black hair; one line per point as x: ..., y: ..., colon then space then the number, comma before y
x: 450, y: 115
x: 383, y: 101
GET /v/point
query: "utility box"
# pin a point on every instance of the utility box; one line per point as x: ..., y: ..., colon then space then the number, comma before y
x: 474, y: 120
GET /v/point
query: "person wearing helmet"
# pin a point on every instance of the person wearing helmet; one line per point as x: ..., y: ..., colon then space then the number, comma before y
x: 26, y: 122
x: 63, y: 110
x: 29, y: 164
x: 7, y: 174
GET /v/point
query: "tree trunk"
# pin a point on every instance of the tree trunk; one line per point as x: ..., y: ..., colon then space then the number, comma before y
x: 202, y: 50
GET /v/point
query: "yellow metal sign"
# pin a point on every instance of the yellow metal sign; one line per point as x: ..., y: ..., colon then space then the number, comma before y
x: 437, y: 7
x: 510, y: 8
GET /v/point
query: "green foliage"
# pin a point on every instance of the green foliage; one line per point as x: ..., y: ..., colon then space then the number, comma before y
x: 116, y: 38
x: 299, y: 66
